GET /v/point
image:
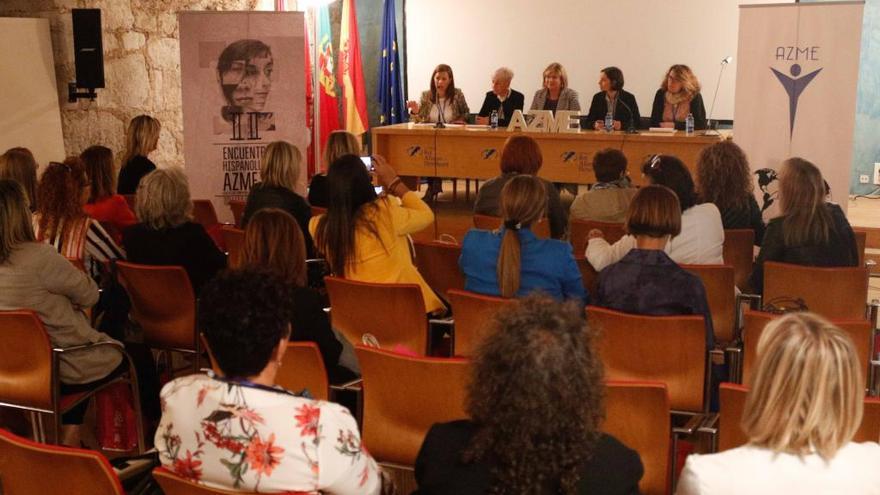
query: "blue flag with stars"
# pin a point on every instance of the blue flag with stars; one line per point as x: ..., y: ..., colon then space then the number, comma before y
x: 391, y: 104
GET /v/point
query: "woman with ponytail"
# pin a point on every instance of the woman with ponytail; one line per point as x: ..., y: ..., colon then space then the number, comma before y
x: 512, y: 261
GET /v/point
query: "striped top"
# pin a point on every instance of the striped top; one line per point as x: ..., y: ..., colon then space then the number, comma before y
x: 86, y: 241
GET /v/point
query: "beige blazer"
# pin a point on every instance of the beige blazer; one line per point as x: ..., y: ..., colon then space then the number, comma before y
x: 568, y: 100
x: 459, y: 107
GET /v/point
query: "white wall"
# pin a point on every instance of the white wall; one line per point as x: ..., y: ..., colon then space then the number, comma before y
x: 642, y: 37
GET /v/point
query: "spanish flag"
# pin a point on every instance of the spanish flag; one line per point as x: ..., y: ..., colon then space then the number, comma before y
x: 351, y: 74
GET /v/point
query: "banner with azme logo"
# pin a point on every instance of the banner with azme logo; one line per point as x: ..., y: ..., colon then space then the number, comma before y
x: 796, y: 78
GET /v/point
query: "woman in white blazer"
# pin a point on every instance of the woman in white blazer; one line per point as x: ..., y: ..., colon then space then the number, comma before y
x: 800, y: 416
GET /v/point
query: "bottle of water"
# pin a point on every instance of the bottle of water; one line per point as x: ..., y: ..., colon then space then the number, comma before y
x: 609, y: 122
x: 689, y: 124
x: 493, y: 119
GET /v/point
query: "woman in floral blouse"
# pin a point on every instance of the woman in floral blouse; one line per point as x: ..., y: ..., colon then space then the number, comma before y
x: 241, y: 431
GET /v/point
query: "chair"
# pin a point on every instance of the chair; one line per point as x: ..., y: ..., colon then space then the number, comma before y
x: 859, y: 331
x: 204, y: 213
x: 861, y: 241
x: 29, y: 378
x: 589, y: 275
x: 578, y: 230
x: 163, y: 304
x: 836, y: 293
x: 637, y: 414
x: 317, y: 210
x: 404, y: 396
x: 437, y: 261
x: 739, y: 250
x: 667, y: 349
x: 237, y: 207
x: 391, y: 314
x: 28, y: 468
x: 869, y: 430
x: 488, y: 222
x: 472, y: 313
x: 234, y: 240
x: 721, y: 295
x: 172, y: 484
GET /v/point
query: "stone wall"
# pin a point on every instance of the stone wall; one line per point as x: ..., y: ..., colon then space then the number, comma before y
x: 141, y: 68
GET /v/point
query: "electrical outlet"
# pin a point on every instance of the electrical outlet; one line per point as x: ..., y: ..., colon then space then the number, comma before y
x: 864, y: 179
x: 877, y: 174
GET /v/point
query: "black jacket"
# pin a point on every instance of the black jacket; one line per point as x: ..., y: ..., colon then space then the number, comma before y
x: 614, y: 469
x: 319, y: 191
x: 131, y: 174
x: 515, y: 101
x: 311, y: 324
x: 262, y: 196
x: 745, y: 218
x: 697, y: 109
x: 599, y: 107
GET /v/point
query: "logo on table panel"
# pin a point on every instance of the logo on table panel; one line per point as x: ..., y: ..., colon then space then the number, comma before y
x: 794, y: 83
x: 568, y: 156
x: 489, y: 153
x: 413, y: 150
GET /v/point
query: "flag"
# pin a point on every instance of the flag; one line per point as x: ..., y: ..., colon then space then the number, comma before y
x: 351, y: 73
x: 328, y: 103
x: 310, y: 98
x: 390, y: 87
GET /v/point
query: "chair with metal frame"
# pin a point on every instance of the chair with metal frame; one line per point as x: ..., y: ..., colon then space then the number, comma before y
x: 237, y: 207
x: 488, y: 222
x: 29, y: 377
x: 833, y: 292
x: 437, y: 261
x: 472, y: 313
x: 204, y: 212
x: 738, y: 251
x: 172, y: 484
x: 233, y: 237
x: 721, y: 295
x: 579, y: 229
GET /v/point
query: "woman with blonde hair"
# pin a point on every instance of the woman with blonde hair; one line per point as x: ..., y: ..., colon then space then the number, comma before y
x: 809, y: 230
x: 678, y: 96
x: 339, y: 143
x: 166, y: 234
x: 279, y: 172
x: 141, y: 139
x: 554, y: 93
x: 19, y: 165
x: 725, y: 180
x: 804, y: 406
x: 512, y: 261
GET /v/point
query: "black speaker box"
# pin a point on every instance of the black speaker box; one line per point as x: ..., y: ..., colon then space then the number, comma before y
x: 88, y: 49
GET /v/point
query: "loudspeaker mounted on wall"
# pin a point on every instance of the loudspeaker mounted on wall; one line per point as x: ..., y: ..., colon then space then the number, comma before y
x: 88, y: 53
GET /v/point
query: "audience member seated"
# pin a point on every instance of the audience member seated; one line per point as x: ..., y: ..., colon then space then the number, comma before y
x: 141, y: 139
x: 511, y: 261
x: 274, y: 242
x: 104, y: 205
x: 364, y: 236
x: 804, y: 406
x: 339, y: 143
x: 725, y: 180
x: 608, y: 199
x: 521, y: 155
x: 646, y: 281
x: 535, y: 405
x: 166, y: 234
x: 19, y: 165
x: 678, y: 96
x: 809, y: 230
x: 61, y: 221
x: 702, y: 236
x: 279, y: 172
x: 501, y: 99
x: 239, y: 430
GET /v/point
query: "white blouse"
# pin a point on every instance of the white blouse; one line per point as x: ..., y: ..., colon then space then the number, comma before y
x: 701, y: 241
x: 251, y: 438
x: 758, y: 471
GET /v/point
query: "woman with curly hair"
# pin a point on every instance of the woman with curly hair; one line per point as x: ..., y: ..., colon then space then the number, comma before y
x: 678, y: 96
x: 536, y: 405
x: 725, y: 180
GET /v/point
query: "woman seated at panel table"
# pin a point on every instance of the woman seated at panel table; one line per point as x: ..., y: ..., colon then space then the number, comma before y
x: 678, y: 96
x: 501, y: 99
x: 555, y: 93
x: 512, y: 261
x: 612, y: 98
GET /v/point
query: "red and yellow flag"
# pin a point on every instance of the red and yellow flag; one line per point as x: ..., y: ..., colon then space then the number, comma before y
x: 351, y: 74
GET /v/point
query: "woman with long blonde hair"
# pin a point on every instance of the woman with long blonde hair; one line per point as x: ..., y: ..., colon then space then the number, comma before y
x: 339, y: 143
x: 809, y: 231
x: 804, y: 406
x: 141, y: 139
x: 512, y: 261
x: 678, y: 96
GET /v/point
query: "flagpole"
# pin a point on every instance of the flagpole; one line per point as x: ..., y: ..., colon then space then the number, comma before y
x: 316, y: 100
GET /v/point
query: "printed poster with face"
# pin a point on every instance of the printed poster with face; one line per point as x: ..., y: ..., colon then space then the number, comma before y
x: 242, y: 83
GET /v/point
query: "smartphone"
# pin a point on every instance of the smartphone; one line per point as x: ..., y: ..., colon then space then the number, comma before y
x: 368, y: 162
x: 378, y: 189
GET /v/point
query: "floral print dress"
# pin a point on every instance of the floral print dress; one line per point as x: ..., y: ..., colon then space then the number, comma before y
x: 235, y: 435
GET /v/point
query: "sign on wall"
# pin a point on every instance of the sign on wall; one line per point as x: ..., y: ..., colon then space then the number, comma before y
x: 242, y: 87
x: 796, y: 90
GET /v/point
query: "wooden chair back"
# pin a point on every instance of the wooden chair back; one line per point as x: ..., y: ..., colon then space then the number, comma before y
x: 473, y: 313
x: 25, y: 361
x: 637, y: 414
x: 163, y: 303
x: 755, y: 321
x: 666, y: 349
x: 732, y: 401
x: 589, y: 275
x: 234, y: 239
x: 835, y: 293
x: 204, y: 212
x: 488, y: 222
x: 578, y: 230
x: 404, y: 396
x: 869, y: 430
x: 861, y: 241
x: 738, y: 250
x: 237, y: 207
x: 317, y: 210
x: 172, y: 484
x: 304, y: 369
x: 392, y: 314
x: 438, y: 263
x: 28, y: 468
x: 721, y: 295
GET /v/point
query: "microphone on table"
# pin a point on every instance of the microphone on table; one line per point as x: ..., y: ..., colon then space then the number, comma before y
x: 631, y: 126
x: 440, y: 118
x: 724, y: 61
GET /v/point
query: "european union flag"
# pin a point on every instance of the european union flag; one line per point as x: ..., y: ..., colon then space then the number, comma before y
x: 392, y: 106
